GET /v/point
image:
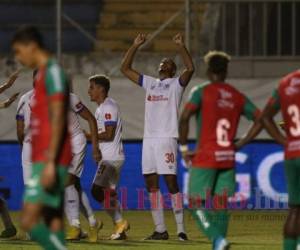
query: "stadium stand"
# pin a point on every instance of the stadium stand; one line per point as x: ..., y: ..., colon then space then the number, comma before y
x: 14, y: 13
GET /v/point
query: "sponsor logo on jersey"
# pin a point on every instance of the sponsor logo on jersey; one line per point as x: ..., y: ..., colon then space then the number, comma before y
x: 157, y: 98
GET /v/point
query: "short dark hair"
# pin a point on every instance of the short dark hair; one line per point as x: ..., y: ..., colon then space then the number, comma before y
x: 217, y: 62
x: 101, y: 80
x: 28, y: 33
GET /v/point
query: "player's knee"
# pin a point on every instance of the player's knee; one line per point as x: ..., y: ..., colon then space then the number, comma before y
x: 98, y: 193
x: 173, y: 187
x: 71, y: 180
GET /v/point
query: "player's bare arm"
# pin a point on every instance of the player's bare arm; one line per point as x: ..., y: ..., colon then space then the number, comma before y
x: 183, y: 134
x: 108, y: 135
x: 9, y: 101
x: 187, y: 73
x: 253, y: 131
x: 58, y: 124
x: 20, y: 131
x: 126, y: 66
x: 88, y: 116
x: 11, y: 80
x: 267, y: 119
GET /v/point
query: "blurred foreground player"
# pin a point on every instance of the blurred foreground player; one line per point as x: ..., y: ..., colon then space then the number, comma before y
x: 104, y: 189
x: 218, y: 107
x: 286, y: 98
x: 51, y: 145
x: 159, y: 157
x: 75, y: 197
x: 9, y: 228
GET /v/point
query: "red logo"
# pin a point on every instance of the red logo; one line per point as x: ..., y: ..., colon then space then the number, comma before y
x: 108, y: 116
x: 149, y: 98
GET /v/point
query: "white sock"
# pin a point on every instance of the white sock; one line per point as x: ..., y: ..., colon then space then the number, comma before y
x: 178, y: 211
x: 115, y: 211
x: 157, y: 211
x: 87, y: 209
x: 72, y: 205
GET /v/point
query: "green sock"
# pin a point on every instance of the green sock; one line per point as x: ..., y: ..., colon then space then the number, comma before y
x: 48, y: 240
x: 41, y: 234
x: 205, y: 222
x: 222, y: 221
x: 61, y: 236
x: 289, y: 244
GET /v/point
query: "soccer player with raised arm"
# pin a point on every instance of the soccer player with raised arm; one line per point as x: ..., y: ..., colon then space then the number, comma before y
x: 217, y: 107
x: 163, y: 97
x: 42, y: 214
x: 110, y: 142
x: 286, y: 99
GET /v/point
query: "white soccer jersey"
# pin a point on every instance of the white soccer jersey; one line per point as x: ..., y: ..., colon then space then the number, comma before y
x: 108, y: 113
x: 163, y: 99
x: 75, y: 107
x: 23, y: 113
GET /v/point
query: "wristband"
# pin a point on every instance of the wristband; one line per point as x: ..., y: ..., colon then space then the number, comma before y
x: 183, y: 148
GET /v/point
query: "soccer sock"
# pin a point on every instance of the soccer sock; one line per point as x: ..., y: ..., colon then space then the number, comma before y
x: 114, y: 211
x: 61, y: 240
x: 157, y: 211
x: 222, y: 221
x: 87, y: 209
x: 5, y: 214
x: 48, y: 240
x: 178, y: 211
x: 204, y: 221
x: 72, y: 205
x: 289, y: 244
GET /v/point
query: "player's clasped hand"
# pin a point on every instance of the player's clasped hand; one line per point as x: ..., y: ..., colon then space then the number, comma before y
x: 187, y: 157
x: 97, y: 155
x: 48, y: 177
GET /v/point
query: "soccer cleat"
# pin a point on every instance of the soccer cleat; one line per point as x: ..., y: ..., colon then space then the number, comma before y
x: 73, y: 233
x: 182, y: 236
x: 93, y: 233
x: 8, y: 233
x: 221, y: 244
x: 117, y: 236
x: 120, y: 230
x: 158, y: 236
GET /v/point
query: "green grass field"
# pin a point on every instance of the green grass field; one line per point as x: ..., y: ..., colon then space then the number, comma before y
x: 248, y: 230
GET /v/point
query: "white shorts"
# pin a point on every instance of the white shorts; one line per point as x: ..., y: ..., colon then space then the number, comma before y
x: 159, y: 156
x: 108, y: 174
x: 78, y: 154
x: 26, y: 161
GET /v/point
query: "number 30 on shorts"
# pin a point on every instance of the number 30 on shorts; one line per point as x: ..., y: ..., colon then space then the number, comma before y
x: 169, y: 157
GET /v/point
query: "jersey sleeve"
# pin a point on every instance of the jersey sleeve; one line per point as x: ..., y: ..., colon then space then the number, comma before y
x: 20, y: 109
x: 56, y: 83
x: 75, y: 103
x: 194, y: 99
x: 110, y: 115
x: 274, y: 101
x: 250, y: 111
x: 146, y: 81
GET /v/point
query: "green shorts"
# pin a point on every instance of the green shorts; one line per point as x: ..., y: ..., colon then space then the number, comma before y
x: 292, y: 172
x: 35, y: 193
x: 208, y: 181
